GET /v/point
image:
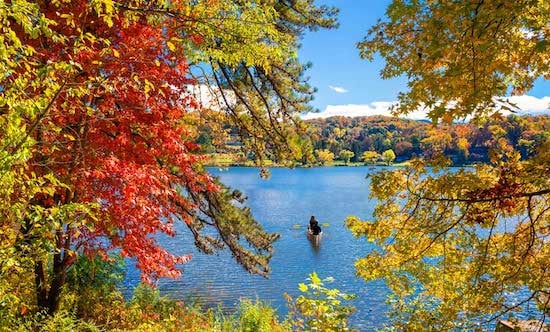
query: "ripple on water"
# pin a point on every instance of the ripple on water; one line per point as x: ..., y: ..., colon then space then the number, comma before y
x: 288, y: 198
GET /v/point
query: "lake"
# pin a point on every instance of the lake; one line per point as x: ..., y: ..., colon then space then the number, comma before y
x: 287, y: 198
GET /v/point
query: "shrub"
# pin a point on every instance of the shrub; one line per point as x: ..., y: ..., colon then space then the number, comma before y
x: 319, y: 308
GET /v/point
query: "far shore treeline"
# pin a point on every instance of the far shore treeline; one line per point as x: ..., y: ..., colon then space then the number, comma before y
x: 368, y: 140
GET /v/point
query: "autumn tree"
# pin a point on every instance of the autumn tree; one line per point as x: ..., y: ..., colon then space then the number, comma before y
x: 98, y: 140
x: 346, y: 155
x: 475, y: 50
x: 464, y: 143
x: 302, y: 150
x: 403, y: 149
x: 324, y: 156
x: 437, y: 142
x: 388, y: 156
x: 461, y: 143
x: 370, y: 157
x: 461, y: 249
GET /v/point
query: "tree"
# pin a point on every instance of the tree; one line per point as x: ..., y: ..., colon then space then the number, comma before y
x: 324, y: 156
x: 476, y: 50
x: 370, y: 157
x: 388, y: 156
x: 346, y: 155
x: 403, y: 149
x: 302, y: 150
x: 437, y: 142
x: 461, y: 249
x: 99, y: 151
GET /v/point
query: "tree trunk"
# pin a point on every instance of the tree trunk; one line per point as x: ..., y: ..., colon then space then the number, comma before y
x: 59, y: 272
x: 40, y: 285
x: 48, y: 299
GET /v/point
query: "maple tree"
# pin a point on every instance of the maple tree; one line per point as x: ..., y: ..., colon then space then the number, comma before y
x: 462, y: 249
x: 99, y: 128
x: 461, y: 57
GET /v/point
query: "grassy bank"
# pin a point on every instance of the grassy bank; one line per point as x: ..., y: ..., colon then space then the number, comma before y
x: 92, y: 301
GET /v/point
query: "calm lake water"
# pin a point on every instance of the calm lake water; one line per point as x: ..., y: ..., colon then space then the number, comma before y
x: 287, y: 198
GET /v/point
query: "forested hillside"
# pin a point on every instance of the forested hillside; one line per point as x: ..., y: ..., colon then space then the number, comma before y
x: 381, y: 139
x: 463, y: 143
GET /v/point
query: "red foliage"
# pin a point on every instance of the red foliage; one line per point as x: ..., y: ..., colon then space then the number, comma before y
x: 124, y: 144
x: 504, y: 193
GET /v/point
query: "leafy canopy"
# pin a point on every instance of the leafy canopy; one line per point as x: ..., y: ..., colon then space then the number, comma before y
x: 461, y: 57
x: 460, y: 249
x: 98, y: 142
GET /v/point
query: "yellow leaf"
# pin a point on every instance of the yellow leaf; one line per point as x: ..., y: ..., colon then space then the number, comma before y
x: 171, y: 46
x: 315, y: 278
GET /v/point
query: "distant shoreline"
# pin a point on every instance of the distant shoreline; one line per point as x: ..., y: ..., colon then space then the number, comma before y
x: 274, y: 165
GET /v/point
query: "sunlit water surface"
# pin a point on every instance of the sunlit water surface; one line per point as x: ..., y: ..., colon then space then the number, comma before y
x: 288, y: 198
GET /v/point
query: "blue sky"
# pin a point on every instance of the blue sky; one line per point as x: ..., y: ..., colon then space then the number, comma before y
x: 349, y: 85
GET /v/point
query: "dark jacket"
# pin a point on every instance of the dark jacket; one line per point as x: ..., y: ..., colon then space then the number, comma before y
x: 314, y: 227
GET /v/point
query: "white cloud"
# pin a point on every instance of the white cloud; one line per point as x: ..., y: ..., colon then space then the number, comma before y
x: 526, y: 105
x: 210, y: 96
x: 530, y: 104
x: 353, y: 110
x: 338, y: 89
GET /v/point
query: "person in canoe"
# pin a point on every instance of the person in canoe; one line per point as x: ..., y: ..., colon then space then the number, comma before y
x: 314, y: 227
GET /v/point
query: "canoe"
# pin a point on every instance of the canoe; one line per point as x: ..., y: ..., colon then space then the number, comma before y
x: 314, y: 238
